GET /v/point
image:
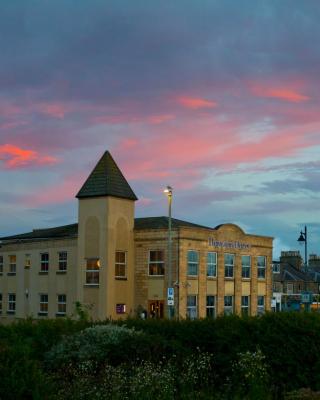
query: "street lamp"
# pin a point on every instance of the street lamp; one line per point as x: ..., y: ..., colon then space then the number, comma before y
x: 170, y: 294
x: 303, y: 238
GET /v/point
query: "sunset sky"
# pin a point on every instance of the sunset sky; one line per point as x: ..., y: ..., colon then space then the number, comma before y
x: 219, y: 99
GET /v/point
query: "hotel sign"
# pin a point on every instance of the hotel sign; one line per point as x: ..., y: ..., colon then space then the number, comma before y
x: 228, y: 244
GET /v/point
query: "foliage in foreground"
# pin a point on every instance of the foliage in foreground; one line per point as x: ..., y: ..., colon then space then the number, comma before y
x: 228, y: 358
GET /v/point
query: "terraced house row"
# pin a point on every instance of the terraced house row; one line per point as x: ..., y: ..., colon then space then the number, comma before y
x: 116, y: 265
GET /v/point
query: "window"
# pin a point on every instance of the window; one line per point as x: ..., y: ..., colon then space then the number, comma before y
x: 289, y: 288
x: 11, y: 303
x: 63, y: 261
x: 44, y: 262
x: 121, y: 263
x: 120, y: 308
x: 1, y: 264
x: 228, y: 265
x: 246, y: 263
x: 156, y: 262
x: 228, y: 305
x: 245, y: 305
x: 212, y: 264
x: 192, y: 307
x: 261, y: 263
x: 12, y: 264
x: 27, y: 261
x: 260, y: 305
x: 43, y: 305
x: 92, y: 271
x: 62, y: 304
x: 276, y: 268
x: 211, y: 306
x: 0, y: 303
x: 193, y: 261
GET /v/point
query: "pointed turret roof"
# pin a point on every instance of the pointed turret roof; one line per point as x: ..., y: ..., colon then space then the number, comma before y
x: 106, y: 179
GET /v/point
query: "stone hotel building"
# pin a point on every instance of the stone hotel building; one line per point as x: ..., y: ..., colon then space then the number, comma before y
x: 115, y: 265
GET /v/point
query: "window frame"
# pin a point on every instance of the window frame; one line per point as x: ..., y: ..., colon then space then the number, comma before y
x: 95, y: 272
x: 27, y: 261
x: 212, y: 265
x: 261, y: 308
x: 11, y: 306
x: 211, y: 309
x: 245, y: 308
x: 261, y: 268
x: 12, y: 264
x: 43, y: 303
x: 228, y: 309
x: 229, y: 267
x: 120, y: 265
x: 192, y: 310
x: 245, y: 267
x: 194, y: 264
x: 61, y: 303
x: 44, y: 263
x: 158, y: 264
x: 62, y: 261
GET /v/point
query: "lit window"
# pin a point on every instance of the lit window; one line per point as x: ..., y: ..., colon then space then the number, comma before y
x: 211, y: 306
x: 121, y: 264
x: 27, y: 261
x: 44, y: 262
x: 193, y: 262
x: 92, y: 272
x: 260, y: 305
x: 0, y: 303
x: 246, y: 264
x: 62, y: 304
x: 1, y: 264
x: 63, y: 261
x: 228, y: 305
x: 11, y: 303
x: 245, y: 305
x: 261, y: 263
x: 43, y: 304
x: 156, y: 262
x: 192, y: 307
x: 12, y: 264
x: 228, y: 265
x: 212, y: 264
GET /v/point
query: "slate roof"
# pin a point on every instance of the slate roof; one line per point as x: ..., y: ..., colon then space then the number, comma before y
x: 69, y: 231
x: 106, y: 179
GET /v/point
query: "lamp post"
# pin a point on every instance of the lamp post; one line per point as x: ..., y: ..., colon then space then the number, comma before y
x: 303, y: 238
x: 170, y: 295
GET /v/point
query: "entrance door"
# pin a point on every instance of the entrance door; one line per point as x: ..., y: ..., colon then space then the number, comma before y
x: 156, y: 308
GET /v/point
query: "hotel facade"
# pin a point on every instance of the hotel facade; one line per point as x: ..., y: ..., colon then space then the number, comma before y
x: 115, y: 265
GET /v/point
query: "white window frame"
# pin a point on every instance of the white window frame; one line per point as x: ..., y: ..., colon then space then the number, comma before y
x: 261, y: 268
x: 192, y: 310
x: 43, y: 302
x: 120, y: 265
x: 12, y: 264
x: 276, y: 268
x: 228, y: 309
x: 260, y: 307
x: 192, y: 264
x: 11, y: 303
x: 159, y: 264
x: 245, y: 267
x: 211, y: 265
x: 229, y: 267
x: 92, y: 272
x: 63, y: 261
x: 44, y: 263
x: 245, y: 308
x: 63, y: 303
x: 211, y: 308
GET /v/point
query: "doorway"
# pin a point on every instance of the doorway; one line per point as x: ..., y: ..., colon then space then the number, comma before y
x: 156, y: 308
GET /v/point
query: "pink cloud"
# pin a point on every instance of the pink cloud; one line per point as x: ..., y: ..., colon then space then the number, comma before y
x: 15, y: 157
x: 195, y: 103
x: 278, y: 92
